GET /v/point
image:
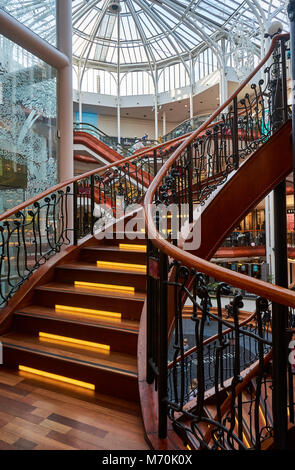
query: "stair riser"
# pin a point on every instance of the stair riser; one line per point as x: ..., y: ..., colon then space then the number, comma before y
x: 119, y: 341
x: 121, y: 256
x: 119, y: 279
x: 117, y: 241
x: 129, y: 308
x: 107, y: 382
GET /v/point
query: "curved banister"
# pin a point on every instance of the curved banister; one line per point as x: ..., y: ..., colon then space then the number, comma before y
x: 261, y: 288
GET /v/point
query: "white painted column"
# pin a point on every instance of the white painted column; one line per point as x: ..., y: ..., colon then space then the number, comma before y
x: 191, y: 97
x: 118, y: 87
x: 164, y: 123
x: 269, y: 235
x: 80, y: 80
x: 156, y: 106
x: 65, y: 90
x: 223, y: 86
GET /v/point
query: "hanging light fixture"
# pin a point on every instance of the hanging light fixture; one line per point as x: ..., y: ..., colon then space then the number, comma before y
x: 114, y: 6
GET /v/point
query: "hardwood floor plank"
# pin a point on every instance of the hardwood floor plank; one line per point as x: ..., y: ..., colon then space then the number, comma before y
x: 54, y: 426
x: 38, y: 437
x: 72, y: 423
x: 85, y: 420
x: 41, y: 413
x: 67, y: 439
x: 24, y: 444
x: 9, y: 377
x: 5, y: 446
x: 8, y: 437
x: 18, y: 409
x: 13, y: 390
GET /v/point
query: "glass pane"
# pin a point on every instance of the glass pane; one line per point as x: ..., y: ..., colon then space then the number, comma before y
x: 28, y: 146
x: 38, y: 15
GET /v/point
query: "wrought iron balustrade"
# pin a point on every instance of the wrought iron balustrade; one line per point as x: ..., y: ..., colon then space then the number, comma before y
x: 235, y: 368
x: 32, y: 234
x: 245, y: 238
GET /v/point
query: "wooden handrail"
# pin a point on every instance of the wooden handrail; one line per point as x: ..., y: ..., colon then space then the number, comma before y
x: 272, y: 292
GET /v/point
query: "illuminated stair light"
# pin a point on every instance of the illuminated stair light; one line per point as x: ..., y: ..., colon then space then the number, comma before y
x: 127, y: 266
x: 246, y: 442
x: 262, y: 415
x: 88, y: 311
x: 59, y: 378
x: 110, y: 287
x: 77, y: 342
x: 126, y: 246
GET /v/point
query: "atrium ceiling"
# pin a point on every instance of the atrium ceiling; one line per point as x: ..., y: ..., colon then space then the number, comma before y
x: 149, y: 33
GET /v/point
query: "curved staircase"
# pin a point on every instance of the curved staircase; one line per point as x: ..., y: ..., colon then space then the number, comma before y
x: 79, y: 309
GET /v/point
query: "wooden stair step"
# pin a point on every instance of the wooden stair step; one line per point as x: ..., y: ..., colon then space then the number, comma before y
x: 112, y: 253
x: 111, y: 373
x: 125, y: 238
x: 91, y: 273
x: 121, y: 336
x: 128, y: 304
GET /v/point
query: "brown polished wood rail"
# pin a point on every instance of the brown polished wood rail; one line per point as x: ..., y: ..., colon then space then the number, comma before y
x: 261, y: 288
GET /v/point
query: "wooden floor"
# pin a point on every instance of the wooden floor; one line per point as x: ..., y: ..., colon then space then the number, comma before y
x: 42, y: 415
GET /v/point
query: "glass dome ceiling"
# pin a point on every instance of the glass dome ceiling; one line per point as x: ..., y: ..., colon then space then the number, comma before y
x: 153, y: 32
x: 148, y: 32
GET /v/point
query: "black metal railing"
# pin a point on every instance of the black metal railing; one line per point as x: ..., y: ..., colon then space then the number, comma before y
x: 236, y: 419
x: 30, y: 236
x: 112, y: 142
x: 185, y: 127
x: 240, y: 238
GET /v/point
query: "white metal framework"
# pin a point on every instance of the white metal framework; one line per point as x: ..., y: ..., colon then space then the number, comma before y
x: 147, y: 36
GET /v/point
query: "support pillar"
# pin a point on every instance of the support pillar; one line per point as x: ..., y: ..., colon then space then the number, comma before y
x: 164, y: 123
x: 269, y: 235
x: 65, y: 90
x: 156, y: 107
x: 118, y: 87
x: 223, y: 87
x: 191, y: 97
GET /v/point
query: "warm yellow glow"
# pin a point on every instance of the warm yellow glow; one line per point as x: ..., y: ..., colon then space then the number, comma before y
x: 89, y: 311
x: 188, y: 447
x: 262, y: 415
x: 79, y: 342
x: 126, y: 246
x: 59, y: 378
x: 96, y: 285
x: 127, y: 266
x: 246, y: 442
